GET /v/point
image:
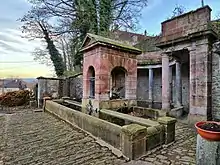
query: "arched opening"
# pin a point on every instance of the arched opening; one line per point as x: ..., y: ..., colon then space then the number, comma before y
x: 91, y: 78
x: 118, y: 76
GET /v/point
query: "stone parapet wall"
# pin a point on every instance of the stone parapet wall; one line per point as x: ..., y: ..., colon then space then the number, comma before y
x: 186, y: 24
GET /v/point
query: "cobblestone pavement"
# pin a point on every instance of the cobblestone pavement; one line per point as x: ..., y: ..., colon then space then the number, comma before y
x: 39, y: 138
x: 182, y: 152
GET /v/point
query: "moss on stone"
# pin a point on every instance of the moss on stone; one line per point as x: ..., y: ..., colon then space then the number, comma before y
x: 133, y: 129
x: 150, y: 61
x: 149, y: 44
x: 151, y: 131
x: 153, y: 61
x: 166, y: 120
x: 96, y: 38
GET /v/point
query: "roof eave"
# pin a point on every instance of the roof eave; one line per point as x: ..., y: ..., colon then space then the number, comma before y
x: 136, y: 51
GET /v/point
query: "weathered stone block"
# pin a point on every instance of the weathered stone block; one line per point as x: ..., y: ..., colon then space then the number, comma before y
x: 169, y: 137
x: 154, y: 138
x: 134, y: 140
x: 169, y: 128
x: 166, y: 120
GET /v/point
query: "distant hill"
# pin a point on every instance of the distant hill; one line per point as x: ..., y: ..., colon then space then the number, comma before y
x: 29, y: 80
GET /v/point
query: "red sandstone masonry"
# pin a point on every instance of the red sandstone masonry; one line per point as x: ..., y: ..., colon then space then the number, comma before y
x: 185, y: 24
x: 104, y: 59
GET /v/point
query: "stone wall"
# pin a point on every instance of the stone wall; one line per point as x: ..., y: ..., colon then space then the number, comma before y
x: 48, y: 87
x: 216, y: 86
x: 76, y: 90
x: 142, y: 84
x: 72, y: 87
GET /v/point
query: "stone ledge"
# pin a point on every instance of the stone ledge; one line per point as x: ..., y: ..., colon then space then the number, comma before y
x: 133, y: 119
x: 166, y: 120
x: 134, y: 130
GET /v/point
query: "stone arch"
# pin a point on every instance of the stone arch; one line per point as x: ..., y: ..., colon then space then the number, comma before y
x: 118, y: 79
x: 91, y: 81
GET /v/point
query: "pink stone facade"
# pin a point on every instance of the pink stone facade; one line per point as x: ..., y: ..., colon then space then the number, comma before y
x: 186, y: 24
x: 186, y: 39
x: 104, y: 60
x: 181, y: 31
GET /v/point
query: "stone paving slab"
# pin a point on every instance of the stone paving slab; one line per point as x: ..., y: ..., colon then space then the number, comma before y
x: 39, y: 138
x: 36, y: 138
x: 182, y: 152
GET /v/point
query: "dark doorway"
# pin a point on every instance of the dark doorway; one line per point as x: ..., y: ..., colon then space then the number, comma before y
x: 91, y: 76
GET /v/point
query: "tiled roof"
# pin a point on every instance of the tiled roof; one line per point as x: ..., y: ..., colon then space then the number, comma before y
x: 129, y: 37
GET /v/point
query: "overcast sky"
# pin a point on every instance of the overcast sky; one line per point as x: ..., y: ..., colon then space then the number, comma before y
x: 13, y: 48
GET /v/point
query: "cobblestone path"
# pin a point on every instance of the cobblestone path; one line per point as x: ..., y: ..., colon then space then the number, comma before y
x: 28, y: 138
x: 39, y: 138
x: 182, y: 152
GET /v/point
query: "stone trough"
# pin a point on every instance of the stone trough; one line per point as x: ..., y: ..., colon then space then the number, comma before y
x: 134, y: 136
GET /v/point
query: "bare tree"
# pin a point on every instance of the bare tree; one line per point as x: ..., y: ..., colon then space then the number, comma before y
x: 35, y: 25
x: 75, y: 18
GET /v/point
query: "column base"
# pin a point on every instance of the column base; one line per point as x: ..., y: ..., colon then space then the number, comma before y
x: 150, y: 103
x: 192, y: 119
x: 166, y: 106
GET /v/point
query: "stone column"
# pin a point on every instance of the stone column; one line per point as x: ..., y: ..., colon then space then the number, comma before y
x: 171, y: 83
x: 165, y: 82
x: 150, y: 97
x: 178, y: 84
x: 38, y: 93
x: 200, y: 81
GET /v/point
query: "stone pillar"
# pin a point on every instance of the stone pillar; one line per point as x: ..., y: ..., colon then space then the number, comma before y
x: 165, y: 82
x: 171, y: 83
x: 207, y: 152
x: 178, y: 84
x: 169, y: 125
x: 200, y: 81
x: 39, y: 93
x: 133, y: 141
x: 151, y: 87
